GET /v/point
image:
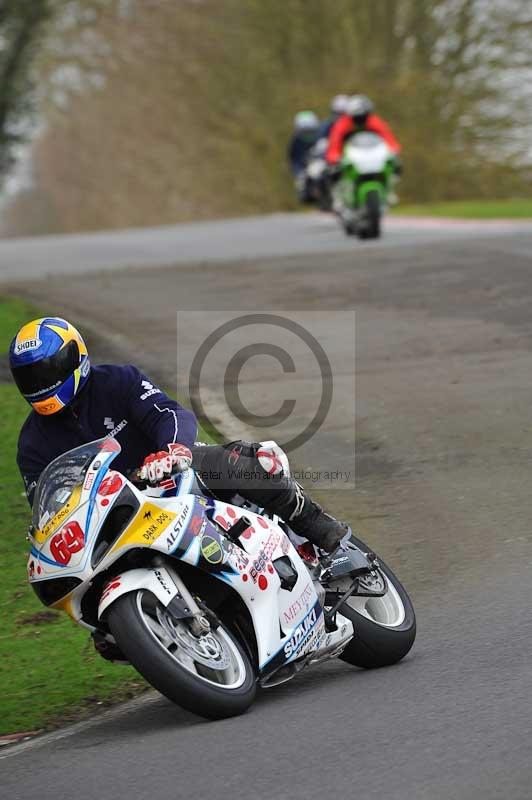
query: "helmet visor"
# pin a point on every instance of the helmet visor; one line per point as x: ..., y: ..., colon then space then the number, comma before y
x: 47, y: 374
x: 360, y: 120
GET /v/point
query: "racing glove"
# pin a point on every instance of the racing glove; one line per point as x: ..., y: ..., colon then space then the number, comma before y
x: 159, y: 466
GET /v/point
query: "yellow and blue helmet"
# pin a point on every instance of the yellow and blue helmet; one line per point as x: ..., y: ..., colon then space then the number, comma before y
x: 49, y: 363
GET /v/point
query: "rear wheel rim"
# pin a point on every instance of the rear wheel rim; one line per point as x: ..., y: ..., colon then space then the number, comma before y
x: 387, y: 611
x: 213, y: 658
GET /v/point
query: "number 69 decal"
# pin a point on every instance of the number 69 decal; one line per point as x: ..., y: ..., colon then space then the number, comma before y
x: 69, y: 540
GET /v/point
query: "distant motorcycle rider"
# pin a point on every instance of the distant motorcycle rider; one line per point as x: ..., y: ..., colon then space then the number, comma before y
x: 74, y: 403
x: 306, y: 126
x: 317, y: 184
x: 337, y: 109
x: 358, y: 116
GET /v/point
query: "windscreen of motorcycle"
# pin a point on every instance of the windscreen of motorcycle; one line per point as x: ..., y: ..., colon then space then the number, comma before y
x: 367, y: 152
x: 59, y: 488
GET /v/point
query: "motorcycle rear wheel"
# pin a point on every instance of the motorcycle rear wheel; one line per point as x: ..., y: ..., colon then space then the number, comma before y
x: 210, y: 676
x: 385, y: 628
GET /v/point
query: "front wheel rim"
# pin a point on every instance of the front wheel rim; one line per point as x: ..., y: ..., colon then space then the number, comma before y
x: 213, y: 658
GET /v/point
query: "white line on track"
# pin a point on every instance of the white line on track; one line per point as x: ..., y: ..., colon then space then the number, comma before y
x: 79, y: 727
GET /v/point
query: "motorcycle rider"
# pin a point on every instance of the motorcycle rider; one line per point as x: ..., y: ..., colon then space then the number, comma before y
x: 317, y: 185
x: 337, y: 108
x: 74, y: 403
x: 358, y: 116
x: 306, y: 126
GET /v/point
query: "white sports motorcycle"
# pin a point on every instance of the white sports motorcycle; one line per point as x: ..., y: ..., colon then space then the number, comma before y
x: 207, y: 600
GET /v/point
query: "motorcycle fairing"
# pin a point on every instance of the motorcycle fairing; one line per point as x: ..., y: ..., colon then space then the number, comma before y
x: 366, y: 160
x: 307, y: 635
x: 287, y: 624
x: 248, y: 566
x: 367, y: 165
x: 79, y: 509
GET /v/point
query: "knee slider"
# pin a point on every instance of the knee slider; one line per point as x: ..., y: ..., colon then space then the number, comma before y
x: 273, y: 459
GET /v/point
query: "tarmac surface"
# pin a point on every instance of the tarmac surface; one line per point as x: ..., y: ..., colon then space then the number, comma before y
x: 443, y: 475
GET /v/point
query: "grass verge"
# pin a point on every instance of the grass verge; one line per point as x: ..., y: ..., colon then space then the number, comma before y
x: 470, y: 209
x: 49, y: 670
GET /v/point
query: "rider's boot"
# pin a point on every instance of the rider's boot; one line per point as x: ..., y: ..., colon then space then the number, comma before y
x: 308, y: 519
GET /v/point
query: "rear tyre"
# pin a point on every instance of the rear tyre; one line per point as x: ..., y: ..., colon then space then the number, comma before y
x: 372, y: 227
x: 385, y: 628
x: 210, y: 676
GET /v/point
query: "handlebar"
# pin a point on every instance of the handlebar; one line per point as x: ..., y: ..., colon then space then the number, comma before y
x: 133, y: 476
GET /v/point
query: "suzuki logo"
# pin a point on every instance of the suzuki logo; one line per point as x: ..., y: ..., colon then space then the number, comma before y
x: 149, y: 390
x: 109, y: 423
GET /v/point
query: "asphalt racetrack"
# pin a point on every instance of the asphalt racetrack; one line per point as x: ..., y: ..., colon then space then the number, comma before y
x: 443, y: 493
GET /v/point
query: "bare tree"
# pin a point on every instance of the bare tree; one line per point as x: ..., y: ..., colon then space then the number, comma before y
x: 20, y: 27
x: 173, y: 109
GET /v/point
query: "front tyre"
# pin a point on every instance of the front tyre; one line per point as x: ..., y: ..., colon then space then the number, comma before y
x: 210, y: 675
x: 349, y: 221
x: 385, y: 627
x: 373, y: 212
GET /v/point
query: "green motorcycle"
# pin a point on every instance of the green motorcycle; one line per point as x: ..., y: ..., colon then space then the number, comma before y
x: 364, y: 188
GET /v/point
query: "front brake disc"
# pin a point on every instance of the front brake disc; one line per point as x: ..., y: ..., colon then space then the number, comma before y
x: 207, y: 649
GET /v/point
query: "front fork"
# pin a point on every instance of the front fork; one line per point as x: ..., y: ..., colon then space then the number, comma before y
x: 199, y: 624
x: 362, y: 191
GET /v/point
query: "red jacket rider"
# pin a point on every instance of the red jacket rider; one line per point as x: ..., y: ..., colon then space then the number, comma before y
x: 358, y: 116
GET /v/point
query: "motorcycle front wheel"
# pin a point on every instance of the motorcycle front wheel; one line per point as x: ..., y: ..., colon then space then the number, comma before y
x: 372, y: 227
x: 385, y: 627
x: 210, y: 675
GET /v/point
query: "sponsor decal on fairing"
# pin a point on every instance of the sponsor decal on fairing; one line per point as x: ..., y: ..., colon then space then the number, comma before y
x: 68, y: 541
x: 211, y: 550
x: 307, y: 635
x: 89, y: 480
x: 178, y: 527
x: 299, y: 605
